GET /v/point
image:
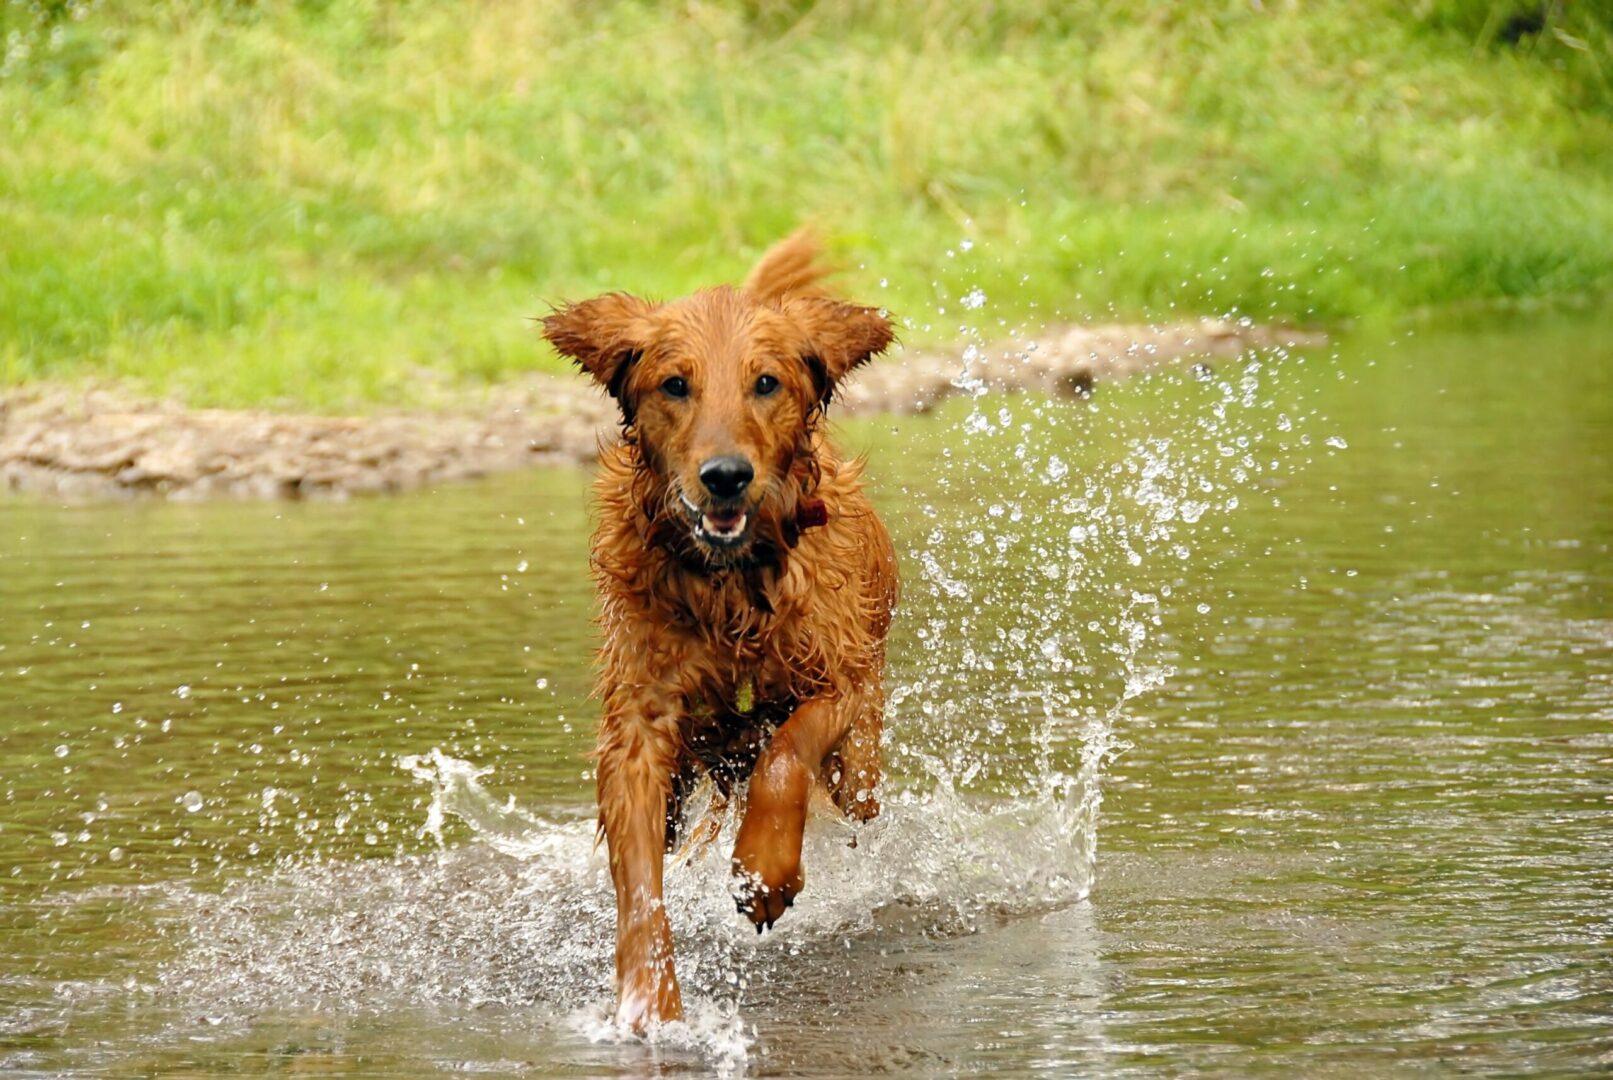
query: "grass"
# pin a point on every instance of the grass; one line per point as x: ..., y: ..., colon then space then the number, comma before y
x: 333, y: 204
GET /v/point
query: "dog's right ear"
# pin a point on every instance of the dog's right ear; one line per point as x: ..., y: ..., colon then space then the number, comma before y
x: 603, y: 335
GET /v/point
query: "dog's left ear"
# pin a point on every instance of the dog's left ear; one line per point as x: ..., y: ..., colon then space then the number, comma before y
x: 842, y: 337
x: 603, y: 335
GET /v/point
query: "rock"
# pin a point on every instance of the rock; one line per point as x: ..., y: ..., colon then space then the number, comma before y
x: 89, y: 443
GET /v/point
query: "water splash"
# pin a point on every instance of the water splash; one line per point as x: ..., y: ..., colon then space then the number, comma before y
x: 457, y: 790
x: 524, y: 917
x: 711, y: 1032
x: 1056, y: 536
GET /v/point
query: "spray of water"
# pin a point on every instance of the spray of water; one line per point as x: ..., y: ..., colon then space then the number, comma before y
x: 1052, y: 538
x: 1058, y: 535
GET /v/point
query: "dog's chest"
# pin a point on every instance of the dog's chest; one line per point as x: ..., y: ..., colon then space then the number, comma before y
x: 727, y: 721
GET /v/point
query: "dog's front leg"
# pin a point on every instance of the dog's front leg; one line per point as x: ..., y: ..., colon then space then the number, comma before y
x: 767, y: 851
x: 637, y: 754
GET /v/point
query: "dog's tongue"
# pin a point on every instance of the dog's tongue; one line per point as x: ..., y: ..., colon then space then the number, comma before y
x: 725, y: 520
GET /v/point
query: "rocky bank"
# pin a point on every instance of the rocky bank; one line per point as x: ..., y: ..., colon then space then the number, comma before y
x: 82, y: 443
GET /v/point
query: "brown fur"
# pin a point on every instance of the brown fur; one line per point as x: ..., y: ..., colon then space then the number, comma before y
x: 794, y: 618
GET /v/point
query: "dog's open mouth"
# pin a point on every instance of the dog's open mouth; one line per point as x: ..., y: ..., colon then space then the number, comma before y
x: 718, y: 526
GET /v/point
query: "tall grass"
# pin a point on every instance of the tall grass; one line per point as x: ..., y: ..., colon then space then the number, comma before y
x: 333, y: 203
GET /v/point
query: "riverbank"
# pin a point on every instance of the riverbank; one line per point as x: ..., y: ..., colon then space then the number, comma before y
x: 93, y: 442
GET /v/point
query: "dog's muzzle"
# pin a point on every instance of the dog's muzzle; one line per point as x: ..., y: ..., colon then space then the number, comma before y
x: 723, y: 527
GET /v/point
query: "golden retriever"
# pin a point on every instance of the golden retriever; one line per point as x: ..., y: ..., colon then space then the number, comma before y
x: 746, y: 586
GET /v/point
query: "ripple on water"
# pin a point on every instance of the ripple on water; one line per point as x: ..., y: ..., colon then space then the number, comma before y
x: 524, y: 917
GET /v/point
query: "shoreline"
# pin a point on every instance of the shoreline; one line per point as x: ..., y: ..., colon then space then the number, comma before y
x: 90, y: 443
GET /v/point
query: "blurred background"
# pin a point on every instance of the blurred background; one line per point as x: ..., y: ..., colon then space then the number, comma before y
x: 331, y: 204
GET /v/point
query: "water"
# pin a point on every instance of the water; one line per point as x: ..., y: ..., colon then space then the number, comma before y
x: 303, y: 787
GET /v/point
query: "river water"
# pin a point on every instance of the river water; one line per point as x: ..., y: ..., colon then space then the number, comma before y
x: 1253, y: 721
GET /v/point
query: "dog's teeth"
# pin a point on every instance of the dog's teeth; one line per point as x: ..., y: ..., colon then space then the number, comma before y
x: 712, y: 528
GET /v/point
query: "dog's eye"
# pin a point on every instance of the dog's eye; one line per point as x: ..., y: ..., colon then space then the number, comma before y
x: 675, y: 387
x: 765, y: 385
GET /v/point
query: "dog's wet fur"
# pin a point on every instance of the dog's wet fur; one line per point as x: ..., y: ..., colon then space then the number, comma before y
x: 746, y: 586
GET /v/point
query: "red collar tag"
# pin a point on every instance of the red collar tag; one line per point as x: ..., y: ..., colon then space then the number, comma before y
x: 811, y: 514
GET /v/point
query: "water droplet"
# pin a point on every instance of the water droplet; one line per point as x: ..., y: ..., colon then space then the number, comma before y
x: 116, y: 854
x: 192, y: 801
x: 1337, y: 442
x: 182, y: 690
x: 62, y: 751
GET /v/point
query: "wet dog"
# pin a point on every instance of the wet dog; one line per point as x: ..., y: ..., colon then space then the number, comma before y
x: 746, y: 586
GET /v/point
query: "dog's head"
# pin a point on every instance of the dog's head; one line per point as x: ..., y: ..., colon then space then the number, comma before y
x: 720, y: 392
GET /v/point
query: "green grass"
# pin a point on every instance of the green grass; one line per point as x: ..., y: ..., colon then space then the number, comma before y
x: 329, y: 204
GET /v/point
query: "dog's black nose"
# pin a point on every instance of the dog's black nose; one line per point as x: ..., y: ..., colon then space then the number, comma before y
x: 727, y: 477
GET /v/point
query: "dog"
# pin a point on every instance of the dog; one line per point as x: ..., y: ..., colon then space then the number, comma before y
x: 746, y: 586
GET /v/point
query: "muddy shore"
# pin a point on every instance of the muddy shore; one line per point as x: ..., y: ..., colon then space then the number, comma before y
x: 79, y: 443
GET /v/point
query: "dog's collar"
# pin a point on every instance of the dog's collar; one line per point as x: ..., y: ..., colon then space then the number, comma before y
x: 811, y: 514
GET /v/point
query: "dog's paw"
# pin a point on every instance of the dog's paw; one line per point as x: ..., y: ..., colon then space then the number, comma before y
x: 767, y: 851
x: 852, y: 780
x: 648, y: 997
x: 860, y: 805
x: 761, y: 900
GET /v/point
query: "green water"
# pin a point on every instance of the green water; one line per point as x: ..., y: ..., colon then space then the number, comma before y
x: 1363, y: 824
